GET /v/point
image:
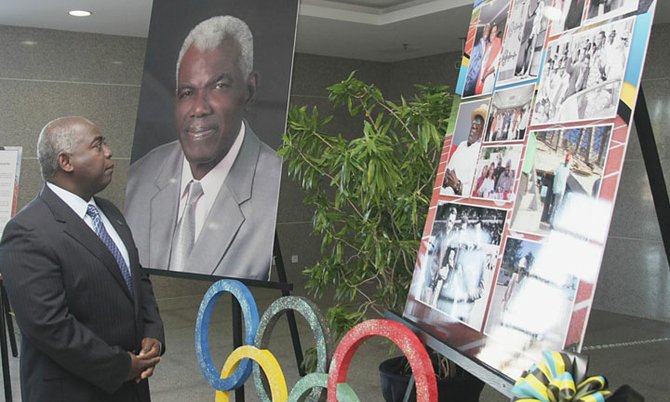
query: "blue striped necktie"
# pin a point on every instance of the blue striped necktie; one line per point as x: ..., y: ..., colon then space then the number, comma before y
x: 100, y: 230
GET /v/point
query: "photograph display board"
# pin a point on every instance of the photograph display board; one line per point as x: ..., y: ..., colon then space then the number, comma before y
x: 10, y: 168
x: 528, y: 175
x: 203, y: 185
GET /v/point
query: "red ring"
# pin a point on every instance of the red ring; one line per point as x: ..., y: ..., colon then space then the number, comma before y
x: 406, y: 340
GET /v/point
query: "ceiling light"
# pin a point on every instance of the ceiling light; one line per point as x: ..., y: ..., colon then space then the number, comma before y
x: 79, y: 13
x: 29, y: 43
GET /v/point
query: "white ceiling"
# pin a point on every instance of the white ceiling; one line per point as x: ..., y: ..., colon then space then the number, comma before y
x: 381, y: 30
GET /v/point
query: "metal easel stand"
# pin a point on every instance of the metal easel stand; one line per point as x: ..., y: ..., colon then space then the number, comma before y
x: 652, y: 162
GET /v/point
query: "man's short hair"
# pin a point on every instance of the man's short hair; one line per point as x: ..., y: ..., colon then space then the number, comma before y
x: 210, y: 33
x: 56, y: 137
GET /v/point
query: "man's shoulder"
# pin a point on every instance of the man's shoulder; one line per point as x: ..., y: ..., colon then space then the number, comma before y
x: 156, y: 157
x: 266, y: 155
x: 33, y: 215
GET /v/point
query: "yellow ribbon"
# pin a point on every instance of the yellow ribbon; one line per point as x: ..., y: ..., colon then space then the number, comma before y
x: 552, y: 380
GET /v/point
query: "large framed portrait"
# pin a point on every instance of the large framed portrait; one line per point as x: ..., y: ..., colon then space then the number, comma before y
x: 203, y: 184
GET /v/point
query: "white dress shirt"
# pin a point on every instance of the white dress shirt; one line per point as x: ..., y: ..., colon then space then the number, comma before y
x: 211, y: 184
x: 79, y: 206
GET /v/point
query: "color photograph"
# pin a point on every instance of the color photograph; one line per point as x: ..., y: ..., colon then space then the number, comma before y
x: 583, y: 74
x: 467, y: 140
x: 498, y: 170
x: 486, y: 51
x: 524, y: 41
x: 533, y: 295
x: 509, y: 114
x: 456, y: 275
x: 558, y: 162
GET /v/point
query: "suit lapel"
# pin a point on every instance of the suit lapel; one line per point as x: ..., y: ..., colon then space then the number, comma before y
x: 226, y: 216
x: 76, y: 228
x: 163, y: 207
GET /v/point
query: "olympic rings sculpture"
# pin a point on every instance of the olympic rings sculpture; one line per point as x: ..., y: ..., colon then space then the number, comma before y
x: 329, y: 375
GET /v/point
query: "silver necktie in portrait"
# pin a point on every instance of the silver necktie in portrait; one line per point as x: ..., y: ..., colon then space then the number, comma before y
x: 184, y: 234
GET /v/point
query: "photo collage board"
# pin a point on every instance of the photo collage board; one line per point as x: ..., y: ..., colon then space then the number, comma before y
x: 528, y: 175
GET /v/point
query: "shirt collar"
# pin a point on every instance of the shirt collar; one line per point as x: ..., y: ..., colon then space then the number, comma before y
x: 75, y: 202
x: 215, y: 177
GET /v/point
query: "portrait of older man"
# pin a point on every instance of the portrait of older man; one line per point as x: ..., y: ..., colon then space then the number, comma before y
x: 458, y: 176
x: 207, y: 202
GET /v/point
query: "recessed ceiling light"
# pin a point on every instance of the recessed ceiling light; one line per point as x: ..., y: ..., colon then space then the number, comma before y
x: 29, y: 43
x: 79, y: 13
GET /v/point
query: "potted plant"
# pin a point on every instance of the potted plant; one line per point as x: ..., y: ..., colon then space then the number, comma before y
x: 370, y: 193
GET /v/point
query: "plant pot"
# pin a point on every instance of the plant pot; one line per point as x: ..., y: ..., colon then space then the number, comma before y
x: 461, y: 388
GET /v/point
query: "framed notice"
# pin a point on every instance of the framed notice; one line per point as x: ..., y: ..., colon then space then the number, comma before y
x: 522, y: 203
x: 10, y: 167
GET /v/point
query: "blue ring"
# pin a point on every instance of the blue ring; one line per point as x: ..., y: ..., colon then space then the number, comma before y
x: 250, y: 313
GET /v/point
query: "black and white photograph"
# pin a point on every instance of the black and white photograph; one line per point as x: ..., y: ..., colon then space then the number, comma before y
x: 571, y: 14
x: 599, y: 10
x: 533, y: 295
x: 524, y: 41
x: 487, y: 47
x: 458, y: 268
x: 497, y: 168
x: 560, y: 162
x: 509, y: 114
x: 583, y: 74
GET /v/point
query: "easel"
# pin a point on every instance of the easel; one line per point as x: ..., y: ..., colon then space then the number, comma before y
x: 661, y: 200
x: 6, y: 331
x: 238, y: 337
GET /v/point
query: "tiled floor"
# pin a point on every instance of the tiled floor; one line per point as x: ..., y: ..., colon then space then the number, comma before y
x: 627, y: 350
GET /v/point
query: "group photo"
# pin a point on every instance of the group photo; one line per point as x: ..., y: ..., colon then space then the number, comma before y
x: 583, y: 74
x: 569, y: 160
x: 509, y: 114
x: 498, y: 170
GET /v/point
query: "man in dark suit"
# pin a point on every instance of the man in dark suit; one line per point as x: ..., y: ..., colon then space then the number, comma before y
x: 226, y: 225
x: 90, y: 326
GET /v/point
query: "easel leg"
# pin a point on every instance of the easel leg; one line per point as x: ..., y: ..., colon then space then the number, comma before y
x: 3, y: 351
x: 410, y: 388
x: 652, y: 162
x: 237, y: 340
x: 10, y: 323
x: 293, y: 327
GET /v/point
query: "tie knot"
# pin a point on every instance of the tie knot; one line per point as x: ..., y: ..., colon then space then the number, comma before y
x: 195, y: 191
x: 92, y: 211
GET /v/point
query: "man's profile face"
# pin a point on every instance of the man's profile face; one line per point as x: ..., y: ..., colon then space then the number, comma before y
x: 476, y: 128
x: 212, y: 93
x: 90, y: 159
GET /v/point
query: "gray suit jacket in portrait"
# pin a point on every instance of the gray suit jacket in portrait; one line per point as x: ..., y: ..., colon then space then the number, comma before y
x: 237, y: 237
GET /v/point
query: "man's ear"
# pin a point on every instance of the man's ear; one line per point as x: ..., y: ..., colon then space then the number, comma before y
x: 252, y: 83
x: 64, y: 162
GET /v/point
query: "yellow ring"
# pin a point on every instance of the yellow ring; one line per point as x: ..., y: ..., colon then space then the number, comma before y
x: 267, y: 362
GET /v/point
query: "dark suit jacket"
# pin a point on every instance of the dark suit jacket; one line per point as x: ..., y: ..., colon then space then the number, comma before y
x: 236, y: 240
x: 77, y: 317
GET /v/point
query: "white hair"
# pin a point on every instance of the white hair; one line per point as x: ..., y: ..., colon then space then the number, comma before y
x: 210, y: 33
x: 58, y: 136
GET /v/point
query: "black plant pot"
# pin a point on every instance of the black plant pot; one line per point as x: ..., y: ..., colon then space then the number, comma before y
x: 462, y: 388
